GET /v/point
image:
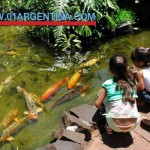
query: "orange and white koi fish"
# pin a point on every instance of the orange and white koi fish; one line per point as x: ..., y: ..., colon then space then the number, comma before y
x: 9, y: 118
x: 73, y: 81
x: 52, y: 90
x: 32, y: 109
x: 89, y: 63
x: 6, y: 134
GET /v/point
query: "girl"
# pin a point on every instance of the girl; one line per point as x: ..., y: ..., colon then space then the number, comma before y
x: 121, y: 110
x: 141, y: 59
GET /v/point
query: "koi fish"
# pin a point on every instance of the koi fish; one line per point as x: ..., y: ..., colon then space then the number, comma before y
x: 11, y: 77
x: 32, y: 109
x: 73, y: 93
x: 10, y: 53
x: 37, y: 101
x: 6, y: 134
x: 89, y: 63
x: 52, y: 90
x: 9, y: 118
x: 72, y: 82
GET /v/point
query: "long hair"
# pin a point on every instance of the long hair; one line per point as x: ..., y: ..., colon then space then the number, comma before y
x: 141, y: 54
x: 118, y: 65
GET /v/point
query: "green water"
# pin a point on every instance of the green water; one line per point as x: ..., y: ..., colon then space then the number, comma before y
x: 40, y: 69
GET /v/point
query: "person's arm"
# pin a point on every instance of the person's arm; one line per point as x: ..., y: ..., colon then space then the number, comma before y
x: 101, y: 97
x: 140, y: 81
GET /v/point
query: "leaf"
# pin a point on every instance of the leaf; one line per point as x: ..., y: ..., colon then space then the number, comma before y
x: 84, y: 31
x: 112, y: 4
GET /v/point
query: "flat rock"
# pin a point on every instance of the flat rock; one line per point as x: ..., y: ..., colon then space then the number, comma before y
x: 86, y: 112
x: 58, y: 133
x: 47, y: 147
x: 73, y: 136
x: 67, y: 145
x: 69, y: 119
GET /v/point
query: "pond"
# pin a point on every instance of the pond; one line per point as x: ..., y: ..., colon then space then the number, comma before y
x: 41, y: 68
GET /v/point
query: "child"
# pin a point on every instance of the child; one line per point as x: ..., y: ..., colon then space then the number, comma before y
x: 141, y: 59
x: 121, y: 110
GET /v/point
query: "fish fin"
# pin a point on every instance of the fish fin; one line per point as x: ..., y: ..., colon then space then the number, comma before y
x: 26, y: 112
x: 44, y: 108
x: 96, y: 65
x: 20, y: 89
x: 16, y: 119
x: 39, y: 109
x: 10, y: 138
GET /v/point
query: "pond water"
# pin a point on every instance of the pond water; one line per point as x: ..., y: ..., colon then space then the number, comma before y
x: 41, y: 68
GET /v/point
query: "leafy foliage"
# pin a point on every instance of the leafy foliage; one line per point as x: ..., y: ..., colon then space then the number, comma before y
x: 63, y: 43
x: 108, y: 16
x: 124, y: 16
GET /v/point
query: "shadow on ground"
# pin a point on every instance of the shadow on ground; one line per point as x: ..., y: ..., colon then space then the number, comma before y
x: 117, y: 140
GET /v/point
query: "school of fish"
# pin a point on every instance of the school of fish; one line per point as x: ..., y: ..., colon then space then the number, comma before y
x: 11, y: 124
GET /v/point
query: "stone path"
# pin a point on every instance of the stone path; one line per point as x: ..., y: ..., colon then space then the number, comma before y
x: 91, y: 134
x: 138, y: 139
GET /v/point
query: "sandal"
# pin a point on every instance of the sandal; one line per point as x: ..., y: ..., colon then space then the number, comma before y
x: 145, y: 119
x: 108, y: 129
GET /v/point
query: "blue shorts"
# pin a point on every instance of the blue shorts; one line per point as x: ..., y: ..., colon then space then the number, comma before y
x: 145, y: 96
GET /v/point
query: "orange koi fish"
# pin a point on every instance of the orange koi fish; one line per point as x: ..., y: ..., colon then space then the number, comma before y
x: 52, y: 89
x: 72, y: 82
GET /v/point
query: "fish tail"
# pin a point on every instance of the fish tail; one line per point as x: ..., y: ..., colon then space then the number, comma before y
x: 44, y: 108
x: 53, y: 105
x: 20, y: 89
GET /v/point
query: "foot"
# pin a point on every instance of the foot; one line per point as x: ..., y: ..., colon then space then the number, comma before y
x: 146, y: 119
x: 108, y: 129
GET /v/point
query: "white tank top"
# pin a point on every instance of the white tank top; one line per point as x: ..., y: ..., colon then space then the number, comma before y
x: 146, y: 77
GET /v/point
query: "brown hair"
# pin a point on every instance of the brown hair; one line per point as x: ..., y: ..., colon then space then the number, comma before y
x: 118, y: 65
x: 141, y: 54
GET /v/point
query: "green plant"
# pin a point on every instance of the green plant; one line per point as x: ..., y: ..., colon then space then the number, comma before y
x: 72, y: 43
x: 64, y: 37
x: 124, y: 16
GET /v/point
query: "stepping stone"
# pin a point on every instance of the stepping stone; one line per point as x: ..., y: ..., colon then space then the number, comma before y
x: 69, y: 120
x: 62, y: 145
x: 86, y: 112
x: 73, y: 136
x: 47, y: 147
x: 67, y: 145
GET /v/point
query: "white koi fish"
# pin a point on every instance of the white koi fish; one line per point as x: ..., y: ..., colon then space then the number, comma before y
x: 32, y: 109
